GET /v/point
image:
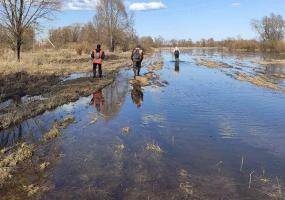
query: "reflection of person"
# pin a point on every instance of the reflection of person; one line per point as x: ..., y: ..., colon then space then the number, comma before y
x: 176, y: 54
x: 137, y: 58
x: 98, y: 100
x: 176, y: 68
x: 137, y: 95
x: 97, y: 55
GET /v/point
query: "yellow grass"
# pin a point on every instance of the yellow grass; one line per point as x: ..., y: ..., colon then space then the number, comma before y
x: 50, y: 61
x: 258, y: 81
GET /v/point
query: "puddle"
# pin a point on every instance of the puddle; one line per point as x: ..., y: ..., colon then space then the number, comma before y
x: 76, y: 76
x: 186, y: 140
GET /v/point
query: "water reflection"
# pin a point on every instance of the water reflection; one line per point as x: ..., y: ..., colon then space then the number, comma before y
x: 176, y: 66
x: 98, y: 100
x: 137, y: 95
x: 108, y: 101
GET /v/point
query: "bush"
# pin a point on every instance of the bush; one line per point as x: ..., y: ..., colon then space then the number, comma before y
x: 79, y: 49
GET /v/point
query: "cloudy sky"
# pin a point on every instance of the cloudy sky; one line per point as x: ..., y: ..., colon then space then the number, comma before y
x: 194, y: 19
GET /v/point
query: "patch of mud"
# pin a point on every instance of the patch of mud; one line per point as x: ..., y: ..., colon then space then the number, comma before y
x: 211, y: 63
x: 22, y: 84
x: 258, y: 81
x: 69, y: 91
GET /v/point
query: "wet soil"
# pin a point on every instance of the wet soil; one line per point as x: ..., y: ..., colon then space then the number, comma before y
x: 52, y: 88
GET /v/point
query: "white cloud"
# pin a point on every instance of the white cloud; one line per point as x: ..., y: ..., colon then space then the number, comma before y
x: 236, y: 4
x: 79, y: 5
x: 147, y: 6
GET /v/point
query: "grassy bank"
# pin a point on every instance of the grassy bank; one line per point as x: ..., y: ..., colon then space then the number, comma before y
x: 31, y: 79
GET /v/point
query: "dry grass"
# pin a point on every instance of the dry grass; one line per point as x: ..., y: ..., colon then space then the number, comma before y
x: 210, y: 63
x: 154, y: 148
x: 277, y: 75
x: 258, y: 81
x: 50, y: 61
x: 155, y: 66
x: 145, y: 80
x: 270, y: 62
x: 185, y: 185
x: 44, y: 165
x: 119, y: 148
x: 54, y: 132
x: 126, y: 130
x: 10, y: 160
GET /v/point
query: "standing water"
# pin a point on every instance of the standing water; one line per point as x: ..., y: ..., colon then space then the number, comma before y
x: 201, y: 135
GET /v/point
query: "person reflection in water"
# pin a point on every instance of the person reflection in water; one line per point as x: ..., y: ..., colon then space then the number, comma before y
x: 98, y: 100
x: 137, y: 95
x: 176, y: 67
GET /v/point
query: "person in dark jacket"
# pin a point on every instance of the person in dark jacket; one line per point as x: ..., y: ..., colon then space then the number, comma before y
x: 176, y: 54
x: 97, y: 58
x: 137, y: 58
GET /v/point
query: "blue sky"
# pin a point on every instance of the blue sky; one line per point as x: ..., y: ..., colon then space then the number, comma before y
x: 179, y: 19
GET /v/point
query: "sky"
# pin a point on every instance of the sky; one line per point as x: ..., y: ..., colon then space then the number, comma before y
x: 181, y: 19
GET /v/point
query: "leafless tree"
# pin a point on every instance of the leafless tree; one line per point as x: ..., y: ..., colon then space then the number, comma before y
x: 17, y: 16
x: 75, y: 32
x: 111, y: 17
x: 270, y: 29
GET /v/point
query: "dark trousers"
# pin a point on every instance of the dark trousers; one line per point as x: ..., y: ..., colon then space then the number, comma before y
x: 137, y: 68
x: 95, y: 69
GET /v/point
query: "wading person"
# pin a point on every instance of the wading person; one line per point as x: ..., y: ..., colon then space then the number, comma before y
x: 97, y: 55
x: 176, y: 54
x: 137, y: 58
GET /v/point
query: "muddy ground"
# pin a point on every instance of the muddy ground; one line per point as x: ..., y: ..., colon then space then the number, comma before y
x: 46, y: 91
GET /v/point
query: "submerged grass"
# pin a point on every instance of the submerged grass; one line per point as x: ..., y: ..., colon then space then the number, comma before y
x: 211, y: 63
x: 10, y: 160
x: 154, y: 148
x: 54, y: 132
x: 258, y: 81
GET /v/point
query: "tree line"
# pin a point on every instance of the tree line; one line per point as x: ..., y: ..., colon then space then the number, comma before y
x: 113, y: 27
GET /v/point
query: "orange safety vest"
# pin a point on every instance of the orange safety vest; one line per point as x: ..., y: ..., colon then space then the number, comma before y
x: 98, y: 60
x: 98, y: 100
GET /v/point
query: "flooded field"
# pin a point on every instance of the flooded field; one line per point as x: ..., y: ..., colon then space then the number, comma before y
x: 208, y: 127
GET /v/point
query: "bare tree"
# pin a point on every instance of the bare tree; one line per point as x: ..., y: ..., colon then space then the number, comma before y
x: 75, y: 30
x: 111, y: 16
x: 270, y: 29
x: 17, y: 16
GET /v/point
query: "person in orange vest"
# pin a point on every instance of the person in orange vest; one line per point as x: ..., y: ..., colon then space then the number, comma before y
x: 97, y: 56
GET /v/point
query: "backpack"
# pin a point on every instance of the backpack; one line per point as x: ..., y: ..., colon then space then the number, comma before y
x: 137, y: 56
x: 97, y: 55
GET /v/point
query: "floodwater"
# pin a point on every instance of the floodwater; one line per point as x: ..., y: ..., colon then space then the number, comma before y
x: 204, y: 135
